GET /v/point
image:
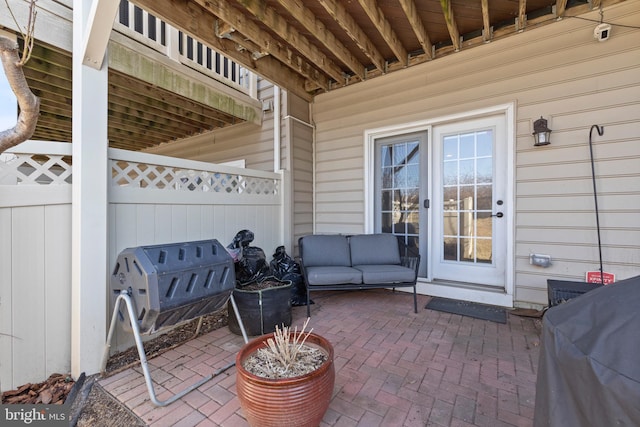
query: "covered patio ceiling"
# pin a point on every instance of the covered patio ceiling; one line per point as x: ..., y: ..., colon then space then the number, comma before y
x: 314, y: 46
x: 306, y: 47
x: 141, y: 115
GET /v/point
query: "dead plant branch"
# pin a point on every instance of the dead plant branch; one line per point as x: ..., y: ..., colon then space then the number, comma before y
x: 286, y: 355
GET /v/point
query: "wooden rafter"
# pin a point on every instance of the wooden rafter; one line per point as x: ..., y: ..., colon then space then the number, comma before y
x: 409, y: 8
x: 486, y: 22
x: 454, y: 33
x: 199, y: 22
x: 305, y: 17
x: 561, y: 8
x: 522, y: 15
x: 383, y: 26
x: 268, y: 16
x: 353, y: 30
x: 267, y: 43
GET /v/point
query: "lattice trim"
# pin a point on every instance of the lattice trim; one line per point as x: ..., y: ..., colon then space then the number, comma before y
x: 143, y: 175
x: 35, y: 169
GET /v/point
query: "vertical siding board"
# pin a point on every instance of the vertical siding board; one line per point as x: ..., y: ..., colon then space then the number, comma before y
x: 178, y: 222
x: 145, y: 225
x: 28, y: 295
x: 57, y: 288
x: 162, y: 231
x: 206, y: 223
x: 220, y: 224
x: 194, y: 223
x: 6, y: 297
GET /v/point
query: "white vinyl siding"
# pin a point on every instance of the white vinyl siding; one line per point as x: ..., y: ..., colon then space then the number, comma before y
x: 558, y: 71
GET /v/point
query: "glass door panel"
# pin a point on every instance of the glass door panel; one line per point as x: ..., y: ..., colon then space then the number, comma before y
x: 397, y: 193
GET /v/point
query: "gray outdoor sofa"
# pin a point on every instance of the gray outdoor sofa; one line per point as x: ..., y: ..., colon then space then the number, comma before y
x: 364, y: 261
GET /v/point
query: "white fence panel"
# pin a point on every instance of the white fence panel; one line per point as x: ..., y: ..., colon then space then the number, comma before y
x: 192, y: 201
x: 35, y: 264
x: 157, y: 199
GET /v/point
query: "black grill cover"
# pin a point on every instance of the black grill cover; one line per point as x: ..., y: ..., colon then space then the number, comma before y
x: 589, y: 367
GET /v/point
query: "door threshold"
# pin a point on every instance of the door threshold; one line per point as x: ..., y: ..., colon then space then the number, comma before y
x: 464, y: 291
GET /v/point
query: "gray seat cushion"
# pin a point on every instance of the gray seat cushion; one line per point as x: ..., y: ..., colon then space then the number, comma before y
x: 374, y: 249
x: 325, y: 250
x: 333, y: 275
x: 377, y: 274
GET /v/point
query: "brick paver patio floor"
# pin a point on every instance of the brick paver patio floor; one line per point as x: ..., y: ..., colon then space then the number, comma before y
x: 393, y: 368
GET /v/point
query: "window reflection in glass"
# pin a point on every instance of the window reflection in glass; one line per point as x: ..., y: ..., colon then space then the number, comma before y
x: 467, y: 176
x: 400, y: 193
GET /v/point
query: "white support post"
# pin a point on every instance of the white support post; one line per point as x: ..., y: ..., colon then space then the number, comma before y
x: 101, y: 16
x: 89, y: 203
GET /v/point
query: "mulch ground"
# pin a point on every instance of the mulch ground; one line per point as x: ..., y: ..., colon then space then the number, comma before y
x: 57, y: 387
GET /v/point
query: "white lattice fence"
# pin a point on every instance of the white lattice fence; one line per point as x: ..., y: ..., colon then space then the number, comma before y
x: 162, y: 177
x: 40, y: 169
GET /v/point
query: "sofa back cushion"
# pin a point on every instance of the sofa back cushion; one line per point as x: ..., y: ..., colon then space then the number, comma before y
x: 325, y: 250
x: 380, y: 249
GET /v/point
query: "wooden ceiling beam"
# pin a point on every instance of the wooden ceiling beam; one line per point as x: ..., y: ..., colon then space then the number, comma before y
x: 383, y: 26
x: 46, y: 78
x: 152, y: 132
x: 161, y: 109
x: 487, y: 33
x: 150, y: 96
x: 268, y: 16
x: 449, y: 19
x: 521, y: 20
x: 349, y: 25
x: 409, y: 8
x: 152, y: 127
x: 195, y: 20
x: 52, y: 121
x: 561, y: 8
x: 306, y: 17
x: 232, y: 24
x: 146, y: 108
x: 130, y: 111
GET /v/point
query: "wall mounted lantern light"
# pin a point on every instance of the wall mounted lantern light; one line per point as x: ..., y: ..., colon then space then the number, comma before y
x: 541, y: 133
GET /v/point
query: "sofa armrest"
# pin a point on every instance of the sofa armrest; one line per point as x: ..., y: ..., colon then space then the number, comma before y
x: 412, y: 262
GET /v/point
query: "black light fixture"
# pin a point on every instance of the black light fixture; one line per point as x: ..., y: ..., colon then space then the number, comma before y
x: 541, y: 133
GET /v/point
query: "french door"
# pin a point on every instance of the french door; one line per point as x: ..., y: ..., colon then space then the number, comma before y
x: 443, y: 189
x: 469, y: 198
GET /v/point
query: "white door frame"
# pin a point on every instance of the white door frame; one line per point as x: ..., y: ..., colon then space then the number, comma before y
x: 502, y: 297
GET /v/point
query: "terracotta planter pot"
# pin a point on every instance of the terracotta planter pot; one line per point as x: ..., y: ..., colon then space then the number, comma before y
x: 296, y: 402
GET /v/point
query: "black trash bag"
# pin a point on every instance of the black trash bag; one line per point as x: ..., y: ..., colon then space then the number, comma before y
x: 251, y: 265
x: 241, y: 239
x: 286, y: 268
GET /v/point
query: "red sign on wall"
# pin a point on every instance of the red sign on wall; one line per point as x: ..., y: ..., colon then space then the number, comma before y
x: 594, y: 277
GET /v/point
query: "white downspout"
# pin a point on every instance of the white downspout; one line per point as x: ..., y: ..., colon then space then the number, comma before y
x: 313, y: 165
x: 276, y: 129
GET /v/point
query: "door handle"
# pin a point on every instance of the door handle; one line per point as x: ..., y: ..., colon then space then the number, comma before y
x: 499, y: 214
x: 426, y: 203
